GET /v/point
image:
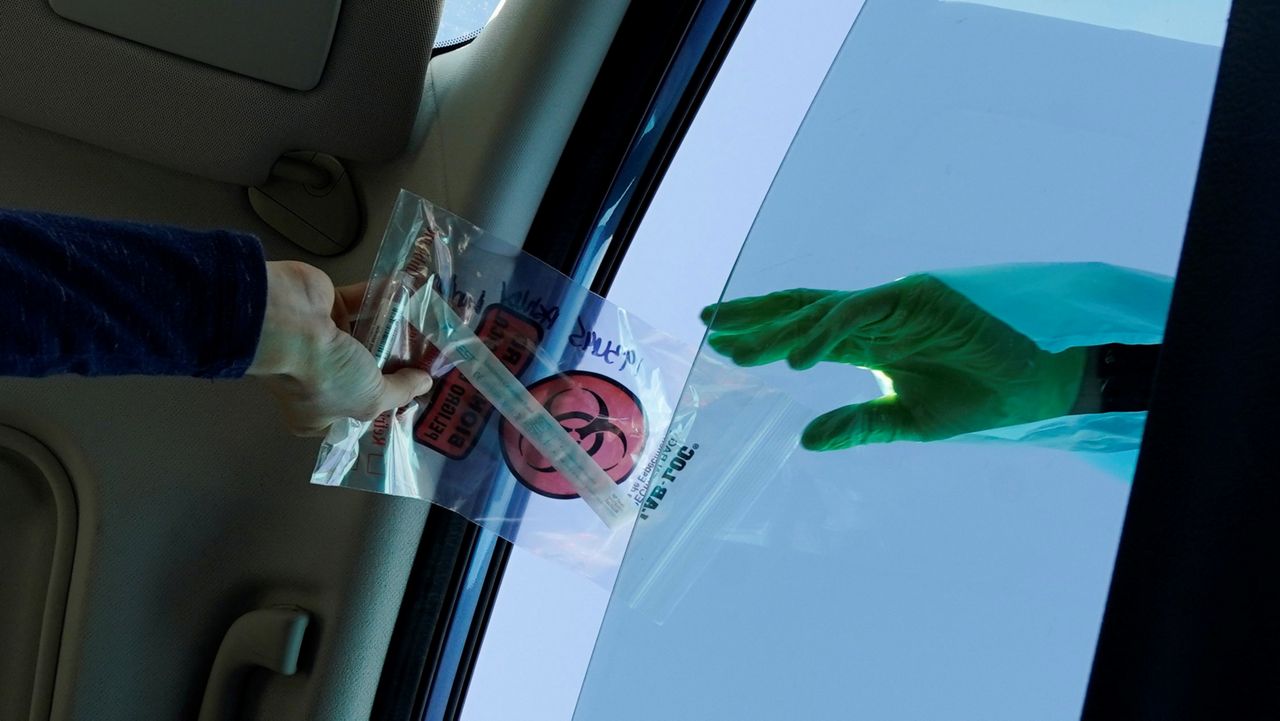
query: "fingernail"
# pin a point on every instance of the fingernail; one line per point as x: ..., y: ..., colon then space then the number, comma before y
x: 425, y: 386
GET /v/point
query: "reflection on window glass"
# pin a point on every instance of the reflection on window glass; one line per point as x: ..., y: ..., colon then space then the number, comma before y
x: 984, y: 206
x: 463, y: 20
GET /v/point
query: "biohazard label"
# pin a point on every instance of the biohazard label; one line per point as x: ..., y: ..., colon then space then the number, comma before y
x: 598, y: 413
x: 457, y: 413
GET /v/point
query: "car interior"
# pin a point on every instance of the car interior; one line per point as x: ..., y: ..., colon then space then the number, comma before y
x: 162, y: 554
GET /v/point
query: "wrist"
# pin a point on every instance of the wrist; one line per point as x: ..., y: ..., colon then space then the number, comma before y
x: 1089, y: 396
x: 1117, y: 378
x: 296, y: 319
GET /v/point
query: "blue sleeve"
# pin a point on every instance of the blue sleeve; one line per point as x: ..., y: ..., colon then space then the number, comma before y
x: 111, y: 298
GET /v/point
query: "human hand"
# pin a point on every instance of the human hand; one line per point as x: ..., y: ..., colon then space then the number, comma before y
x: 317, y: 371
x: 954, y: 367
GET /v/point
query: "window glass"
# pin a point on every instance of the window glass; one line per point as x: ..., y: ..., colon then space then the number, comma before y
x: 464, y: 19
x: 545, y: 619
x: 963, y: 578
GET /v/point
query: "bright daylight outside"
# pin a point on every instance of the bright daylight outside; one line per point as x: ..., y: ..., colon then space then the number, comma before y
x: 463, y: 19
x: 839, y: 543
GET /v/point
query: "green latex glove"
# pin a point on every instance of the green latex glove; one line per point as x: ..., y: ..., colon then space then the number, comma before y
x: 954, y: 367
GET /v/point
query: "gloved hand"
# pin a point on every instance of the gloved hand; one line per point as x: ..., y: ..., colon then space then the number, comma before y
x: 954, y: 368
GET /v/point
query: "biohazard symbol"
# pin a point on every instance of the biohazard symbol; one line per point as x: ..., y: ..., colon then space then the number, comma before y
x: 601, y: 414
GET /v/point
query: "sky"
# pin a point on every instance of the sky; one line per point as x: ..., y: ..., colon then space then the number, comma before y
x: 546, y: 618
x: 905, y: 581
x: 463, y: 17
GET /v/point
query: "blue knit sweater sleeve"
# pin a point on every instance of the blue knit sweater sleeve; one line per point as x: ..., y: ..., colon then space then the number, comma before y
x: 99, y: 298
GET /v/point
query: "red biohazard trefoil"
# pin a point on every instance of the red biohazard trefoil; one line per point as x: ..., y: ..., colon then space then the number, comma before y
x: 598, y: 412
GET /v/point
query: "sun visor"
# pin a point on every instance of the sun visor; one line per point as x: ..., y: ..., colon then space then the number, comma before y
x: 219, y: 89
x: 284, y: 42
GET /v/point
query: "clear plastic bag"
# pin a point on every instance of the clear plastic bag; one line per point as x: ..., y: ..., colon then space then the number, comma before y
x: 725, y: 457
x: 545, y: 394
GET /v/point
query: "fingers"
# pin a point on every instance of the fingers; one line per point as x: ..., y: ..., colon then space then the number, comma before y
x: 879, y: 421
x: 346, y: 304
x: 769, y: 341
x: 399, y: 388
x: 745, y: 313
x: 804, y: 327
x: 357, y: 388
x: 308, y: 415
x: 765, y: 344
x: 342, y: 380
x: 850, y: 319
x: 352, y: 295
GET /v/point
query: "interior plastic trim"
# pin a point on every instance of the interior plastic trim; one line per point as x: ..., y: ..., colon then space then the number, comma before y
x: 42, y: 470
